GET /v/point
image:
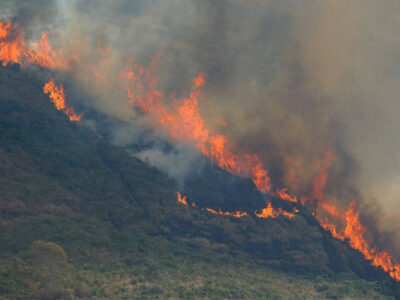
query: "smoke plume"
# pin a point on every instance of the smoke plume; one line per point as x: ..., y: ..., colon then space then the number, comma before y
x: 289, y: 81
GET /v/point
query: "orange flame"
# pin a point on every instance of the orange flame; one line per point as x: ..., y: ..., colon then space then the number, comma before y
x: 57, y: 96
x: 181, y: 199
x: 44, y: 55
x: 283, y: 194
x: 270, y: 212
x: 332, y: 229
x: 320, y: 180
x: 355, y: 233
x: 12, y: 47
x: 319, y: 187
x: 188, y: 125
x: 236, y: 214
x: 185, y: 123
x: 330, y: 209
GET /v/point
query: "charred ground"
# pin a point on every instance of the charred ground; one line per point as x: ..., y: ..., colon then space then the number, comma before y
x: 81, y: 218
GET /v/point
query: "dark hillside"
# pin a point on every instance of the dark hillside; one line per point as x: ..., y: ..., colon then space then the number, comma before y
x: 81, y: 218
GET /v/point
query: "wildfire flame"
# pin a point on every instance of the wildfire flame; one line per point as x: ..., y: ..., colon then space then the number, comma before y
x: 184, y: 122
x: 181, y: 199
x: 320, y: 180
x: 14, y: 50
x: 332, y: 229
x: 236, y: 214
x: 12, y: 47
x: 283, y: 194
x: 44, y: 55
x: 57, y: 96
x: 353, y: 231
x: 268, y: 212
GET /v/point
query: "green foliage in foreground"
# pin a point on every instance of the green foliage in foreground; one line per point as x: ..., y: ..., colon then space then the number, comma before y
x: 47, y: 257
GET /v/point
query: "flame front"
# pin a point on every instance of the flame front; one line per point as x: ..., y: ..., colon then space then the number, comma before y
x: 268, y: 212
x: 12, y: 47
x: 14, y: 50
x: 184, y: 122
x: 181, y: 199
x: 236, y: 214
x: 57, y: 96
x: 44, y: 55
x: 353, y: 230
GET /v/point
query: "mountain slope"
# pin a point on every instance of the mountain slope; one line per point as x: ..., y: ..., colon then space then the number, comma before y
x: 80, y: 218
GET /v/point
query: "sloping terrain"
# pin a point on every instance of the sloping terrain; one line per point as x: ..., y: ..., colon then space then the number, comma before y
x: 81, y: 218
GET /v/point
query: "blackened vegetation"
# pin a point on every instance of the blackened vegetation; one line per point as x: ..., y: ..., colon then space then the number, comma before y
x: 216, y: 188
x: 66, y: 192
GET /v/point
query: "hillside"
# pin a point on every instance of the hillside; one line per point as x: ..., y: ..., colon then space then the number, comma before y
x: 81, y: 218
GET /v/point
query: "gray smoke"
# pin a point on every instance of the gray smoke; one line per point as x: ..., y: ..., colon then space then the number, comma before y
x: 34, y: 16
x: 292, y: 79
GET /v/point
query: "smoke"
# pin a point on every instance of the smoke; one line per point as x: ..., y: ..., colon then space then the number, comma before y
x: 178, y: 163
x: 34, y: 16
x: 349, y: 56
x: 292, y: 80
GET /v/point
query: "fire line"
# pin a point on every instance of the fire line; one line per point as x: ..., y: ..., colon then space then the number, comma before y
x: 184, y: 122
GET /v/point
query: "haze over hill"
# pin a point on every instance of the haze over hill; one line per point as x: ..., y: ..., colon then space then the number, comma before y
x: 247, y: 111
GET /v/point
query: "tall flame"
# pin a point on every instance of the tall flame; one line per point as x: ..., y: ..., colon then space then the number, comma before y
x: 44, y: 55
x: 184, y: 122
x: 57, y: 96
x: 14, y: 50
x: 188, y: 125
x: 354, y: 231
x: 12, y: 47
x: 320, y: 180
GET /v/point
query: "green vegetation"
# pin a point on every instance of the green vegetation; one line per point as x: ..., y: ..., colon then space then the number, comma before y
x: 81, y: 219
x: 90, y: 260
